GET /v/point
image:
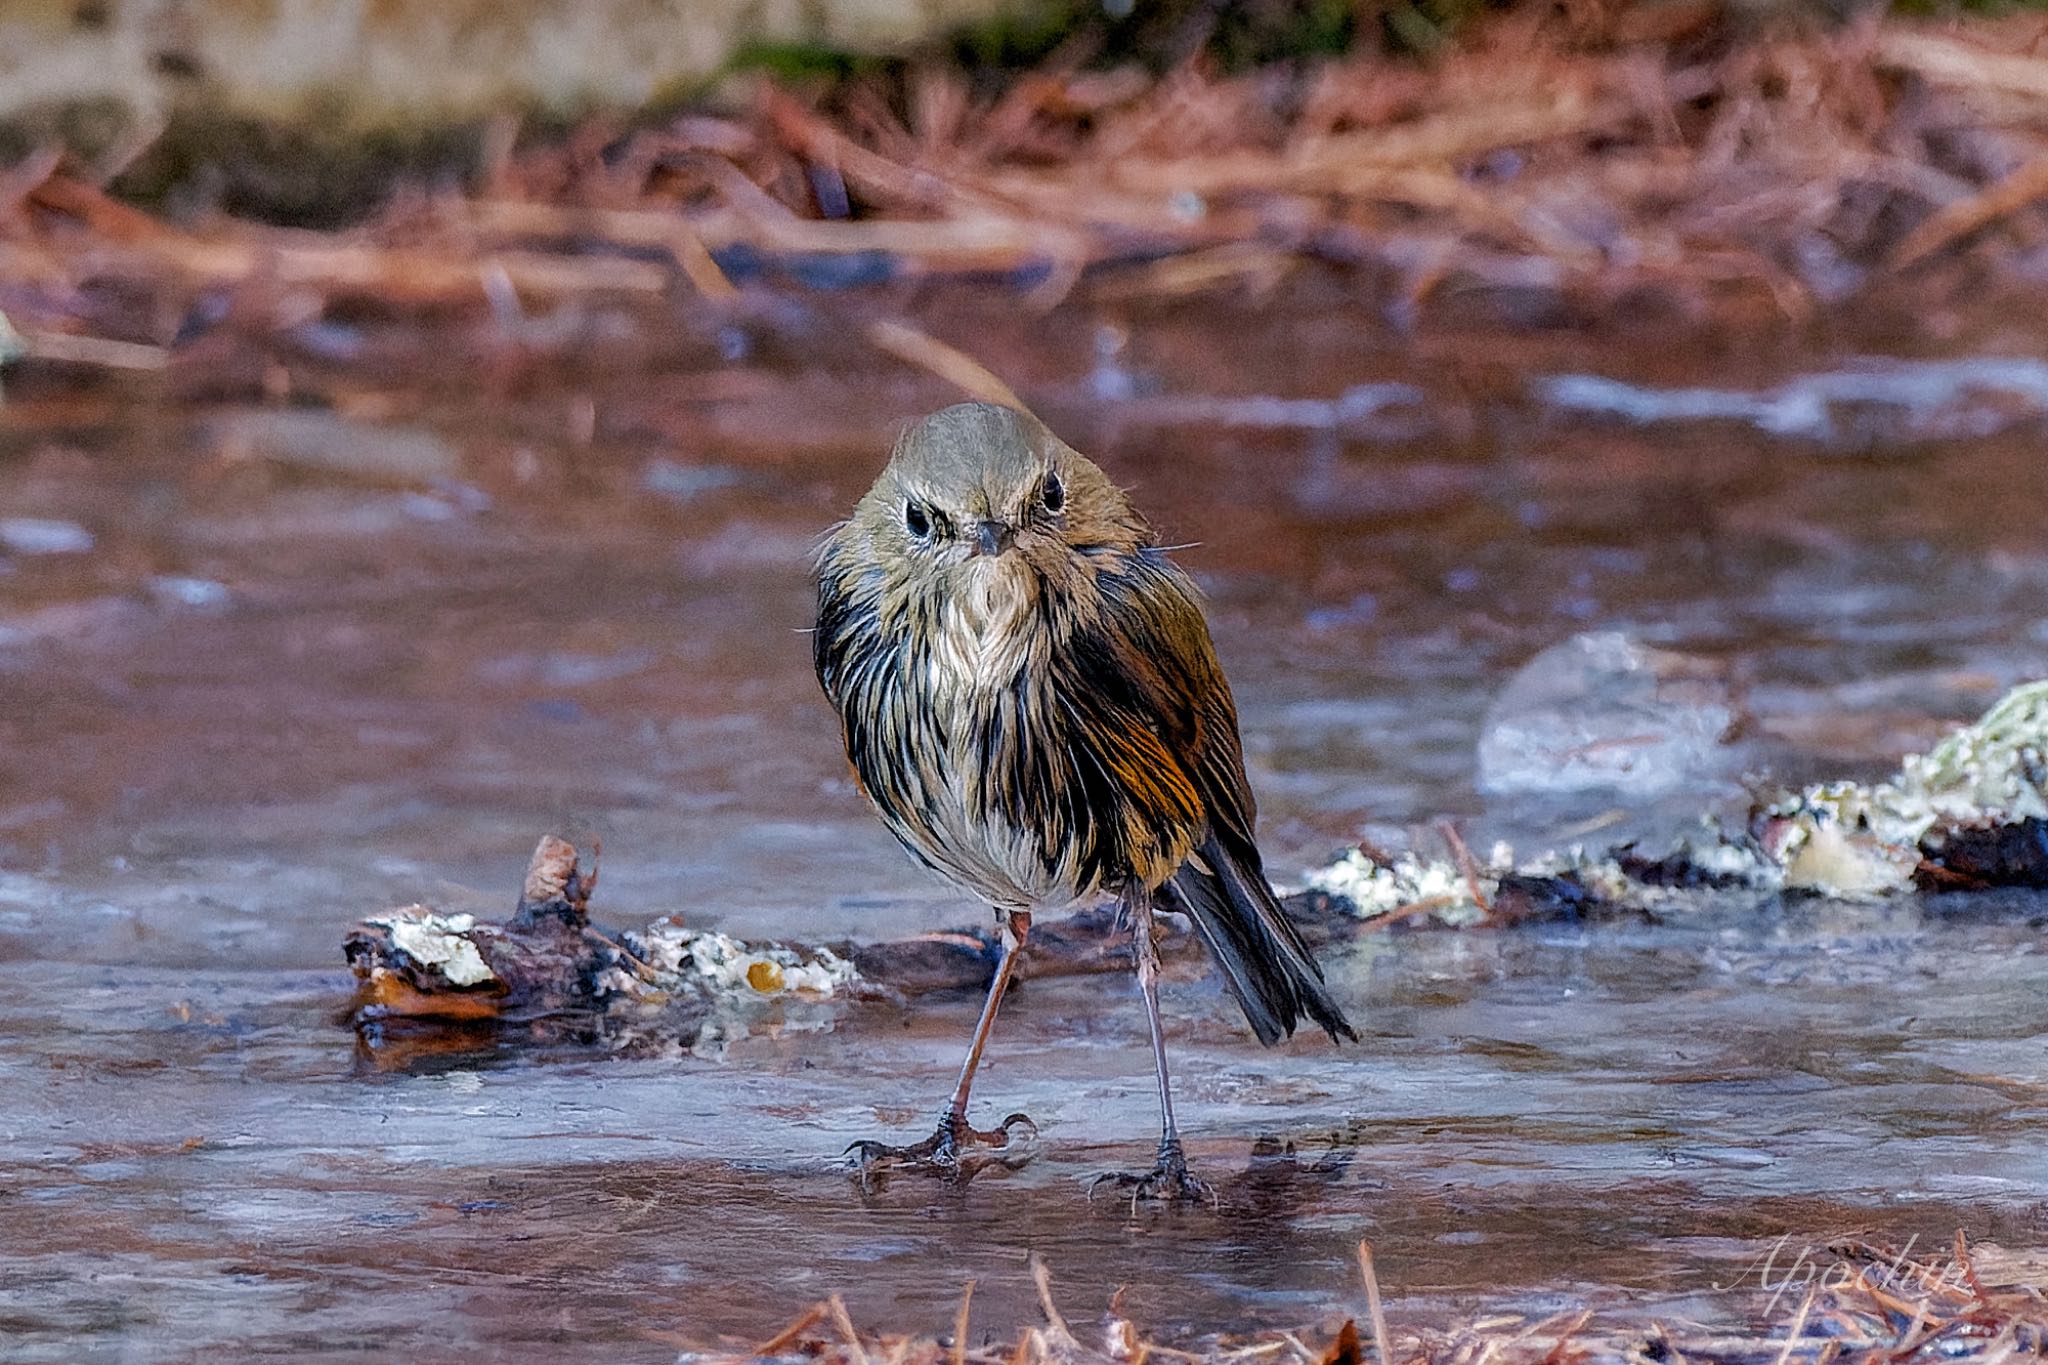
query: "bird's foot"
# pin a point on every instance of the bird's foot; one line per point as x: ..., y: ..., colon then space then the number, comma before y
x: 1169, y: 1180
x: 956, y: 1150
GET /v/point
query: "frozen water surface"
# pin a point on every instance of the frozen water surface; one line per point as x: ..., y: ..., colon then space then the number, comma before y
x: 286, y: 671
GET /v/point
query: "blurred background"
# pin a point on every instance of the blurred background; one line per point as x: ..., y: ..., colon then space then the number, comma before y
x: 416, y: 420
x: 419, y: 416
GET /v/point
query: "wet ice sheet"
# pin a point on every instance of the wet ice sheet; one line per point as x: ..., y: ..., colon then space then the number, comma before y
x: 1870, y: 402
x: 259, y: 697
x: 1624, y: 1119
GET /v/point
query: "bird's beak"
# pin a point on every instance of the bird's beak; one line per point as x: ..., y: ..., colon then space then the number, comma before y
x: 991, y: 538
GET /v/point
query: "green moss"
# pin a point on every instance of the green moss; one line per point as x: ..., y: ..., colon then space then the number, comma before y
x: 800, y: 62
x: 1013, y: 41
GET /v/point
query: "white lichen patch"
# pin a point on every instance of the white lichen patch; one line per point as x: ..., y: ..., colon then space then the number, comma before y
x: 1992, y: 772
x: 1373, y: 888
x: 1847, y: 840
x: 1834, y: 859
x: 1600, y: 875
x: 436, y: 941
x: 1714, y: 854
x: 697, y: 959
x: 1855, y: 841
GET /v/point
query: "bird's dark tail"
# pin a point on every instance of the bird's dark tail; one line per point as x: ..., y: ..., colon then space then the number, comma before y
x: 1267, y: 966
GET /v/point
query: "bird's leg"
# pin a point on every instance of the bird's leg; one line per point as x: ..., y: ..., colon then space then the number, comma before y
x: 1168, y: 1178
x: 944, y: 1149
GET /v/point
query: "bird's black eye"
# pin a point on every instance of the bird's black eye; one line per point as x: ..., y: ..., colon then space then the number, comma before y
x: 916, y: 520
x: 1053, y: 493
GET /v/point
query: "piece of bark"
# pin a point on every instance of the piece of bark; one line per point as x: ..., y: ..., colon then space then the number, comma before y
x: 1980, y: 857
x: 548, y: 961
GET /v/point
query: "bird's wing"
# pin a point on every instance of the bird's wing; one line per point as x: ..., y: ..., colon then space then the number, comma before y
x: 1151, y: 658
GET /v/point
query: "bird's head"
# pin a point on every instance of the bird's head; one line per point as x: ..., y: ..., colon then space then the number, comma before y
x: 979, y: 490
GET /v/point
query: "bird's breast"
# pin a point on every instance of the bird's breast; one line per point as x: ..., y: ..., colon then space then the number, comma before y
x: 984, y: 685
x: 988, y: 628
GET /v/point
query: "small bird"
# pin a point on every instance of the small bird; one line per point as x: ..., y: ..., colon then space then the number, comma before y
x: 1031, y: 701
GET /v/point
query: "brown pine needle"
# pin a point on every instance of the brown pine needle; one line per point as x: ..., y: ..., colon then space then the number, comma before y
x: 1955, y: 221
x: 1556, y: 1355
x: 1969, y: 1266
x: 786, y: 1336
x: 844, y: 1322
x: 1467, y: 864
x: 1380, y: 1345
x: 1042, y: 1277
x: 956, y: 367
x: 102, y: 352
x: 1798, y: 1325
x: 1852, y: 1323
x: 693, y: 258
x: 960, y: 1324
x: 1916, y: 1333
x: 1409, y: 911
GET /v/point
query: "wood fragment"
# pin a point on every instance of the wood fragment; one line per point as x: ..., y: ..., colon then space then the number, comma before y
x: 92, y: 206
x: 395, y: 274
x: 1954, y: 62
x: 102, y: 352
x: 696, y: 262
x: 1953, y: 222
x: 1910, y: 1340
x: 553, y: 874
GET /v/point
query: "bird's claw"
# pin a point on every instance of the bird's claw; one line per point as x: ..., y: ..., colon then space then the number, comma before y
x: 951, y: 1151
x: 1169, y: 1180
